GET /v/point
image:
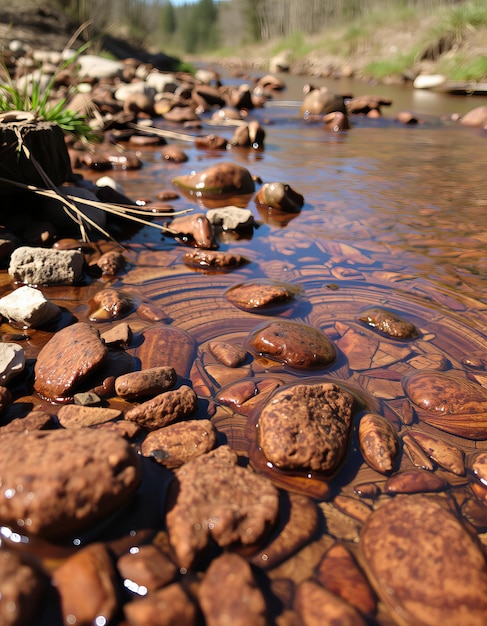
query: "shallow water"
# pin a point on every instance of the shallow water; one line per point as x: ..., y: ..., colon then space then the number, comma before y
x: 394, y: 216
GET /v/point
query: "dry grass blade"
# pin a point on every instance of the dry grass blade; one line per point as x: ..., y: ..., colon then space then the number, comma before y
x: 159, y: 132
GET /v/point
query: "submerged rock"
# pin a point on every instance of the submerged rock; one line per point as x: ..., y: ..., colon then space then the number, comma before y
x: 279, y: 196
x: 414, y: 548
x: 260, y: 294
x: 388, y: 323
x: 449, y: 402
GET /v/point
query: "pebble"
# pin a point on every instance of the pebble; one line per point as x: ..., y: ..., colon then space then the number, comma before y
x: 110, y: 304
x: 378, y: 442
x: 75, y: 416
x: 306, y: 427
x: 12, y: 362
x: 260, y: 294
x: 146, y: 569
x: 205, y: 487
x: 27, y: 307
x: 228, y: 354
x: 223, y: 179
x: 57, y: 482
x: 292, y: 343
x: 171, y: 601
x: 388, y: 323
x: 42, y: 266
x: 22, y: 590
x: 164, y: 409
x: 178, y: 443
x: 148, y: 382
x: 213, y: 259
x: 316, y: 606
x: 67, y: 360
x: 415, y: 481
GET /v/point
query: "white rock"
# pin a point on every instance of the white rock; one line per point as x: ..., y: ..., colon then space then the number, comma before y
x: 160, y: 81
x: 37, y: 77
x: 230, y: 217
x: 108, y: 181
x: 12, y: 361
x: 124, y: 91
x: 44, y: 266
x: 428, y: 81
x: 98, y: 67
x: 27, y: 307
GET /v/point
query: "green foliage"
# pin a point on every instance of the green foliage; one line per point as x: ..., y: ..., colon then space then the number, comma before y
x: 35, y: 99
x: 464, y: 69
x: 392, y: 66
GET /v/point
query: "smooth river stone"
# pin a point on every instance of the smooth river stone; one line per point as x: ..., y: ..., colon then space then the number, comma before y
x: 449, y: 402
x: 388, y: 323
x: 67, y: 360
x: 259, y: 294
x: 425, y: 566
x: 292, y: 343
x: 57, y: 482
x: 218, y: 180
x: 166, y: 345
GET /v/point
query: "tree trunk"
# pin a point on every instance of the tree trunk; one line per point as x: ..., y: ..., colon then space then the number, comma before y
x: 44, y: 143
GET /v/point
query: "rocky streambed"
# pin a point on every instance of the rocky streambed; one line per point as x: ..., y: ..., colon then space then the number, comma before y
x: 217, y: 417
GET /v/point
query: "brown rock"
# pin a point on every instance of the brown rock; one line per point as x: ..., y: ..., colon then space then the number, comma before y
x: 195, y: 229
x: 292, y: 343
x: 146, y: 569
x: 74, y: 416
x: 279, y: 196
x: 149, y: 382
x: 219, y: 180
x: 475, y: 117
x: 405, y: 534
x: 174, y: 153
x: 111, y: 263
x: 67, y: 360
x: 211, y: 142
x: 445, y: 454
x: 167, y: 194
x: 124, y: 428
x: 152, y: 313
x: 339, y: 573
x: 203, y: 490
x: 316, y: 606
x: 306, y: 427
x: 21, y: 589
x: 164, y: 409
x: 5, y: 397
x: 227, y: 353
x: 179, y: 443
x: 378, y: 442
x: 365, y: 104
x: 248, y: 135
x: 110, y: 304
x: 119, y: 335
x: 448, y: 401
x: 258, y: 294
x: 34, y: 420
x: 388, y: 323
x: 336, y: 121
x: 180, y: 114
x: 169, y: 606
x: 87, y: 586
x: 300, y: 526
x: 166, y: 345
x: 321, y: 101
x: 229, y: 594
x: 213, y: 259
x: 415, y: 481
x: 76, y: 477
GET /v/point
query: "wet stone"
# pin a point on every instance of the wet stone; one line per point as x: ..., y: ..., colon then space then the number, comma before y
x: 388, y: 323
x: 176, y: 444
x: 117, y: 336
x: 69, y: 479
x: 35, y: 420
x: 21, y: 590
x: 213, y: 259
x: 67, y: 360
x: 172, y: 602
x: 316, y: 606
x: 148, y: 382
x: 450, y: 402
x: 259, y: 294
x: 415, y: 481
x: 111, y: 263
x: 164, y: 409
x: 203, y: 488
x: 229, y: 593
x: 339, y: 572
x: 222, y: 179
x: 195, y: 229
x: 446, y: 455
x: 145, y: 569
x: 91, y: 570
x: 75, y: 416
x: 166, y: 345
x: 378, y: 442
x: 306, y: 427
x: 292, y: 343
x: 413, y: 548
x: 41, y: 266
x: 174, y: 153
x: 27, y: 307
x: 231, y: 218
x: 12, y: 361
x: 227, y: 353
x: 152, y: 312
x: 110, y: 304
x: 279, y: 196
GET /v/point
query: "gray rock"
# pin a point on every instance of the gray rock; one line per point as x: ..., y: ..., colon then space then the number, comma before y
x: 230, y: 217
x: 12, y: 361
x: 28, y: 307
x: 95, y: 66
x: 41, y: 266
